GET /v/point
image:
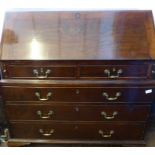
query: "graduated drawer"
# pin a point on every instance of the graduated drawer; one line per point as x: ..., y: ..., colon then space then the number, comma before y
x: 91, y: 131
x: 77, y: 112
x: 40, y: 72
x: 114, y: 71
x: 88, y: 94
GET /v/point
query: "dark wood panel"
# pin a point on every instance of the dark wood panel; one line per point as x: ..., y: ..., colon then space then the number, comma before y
x: 76, y: 62
x: 148, y: 84
x: 77, y: 112
x: 75, y: 143
x: 90, y: 131
x: 114, y: 71
x: 89, y: 94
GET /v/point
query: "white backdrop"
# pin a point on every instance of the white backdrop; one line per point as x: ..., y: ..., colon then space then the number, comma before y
x: 76, y: 5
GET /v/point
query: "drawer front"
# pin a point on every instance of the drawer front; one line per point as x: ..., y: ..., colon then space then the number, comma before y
x: 107, y: 94
x: 77, y: 112
x: 40, y: 72
x: 113, y: 71
x: 87, y: 131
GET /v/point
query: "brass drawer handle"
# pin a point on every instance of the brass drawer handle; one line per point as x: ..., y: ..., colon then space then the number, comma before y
x: 41, y: 73
x: 49, y: 94
x: 109, y: 117
x: 118, y: 94
x: 109, y: 74
x: 46, y: 134
x: 40, y: 114
x: 111, y: 132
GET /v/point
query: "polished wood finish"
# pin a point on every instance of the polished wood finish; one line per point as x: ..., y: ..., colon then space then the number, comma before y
x: 78, y: 77
x: 78, y: 35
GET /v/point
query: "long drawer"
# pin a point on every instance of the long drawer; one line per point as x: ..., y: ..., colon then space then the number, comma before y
x: 77, y: 112
x: 90, y: 131
x: 89, y: 94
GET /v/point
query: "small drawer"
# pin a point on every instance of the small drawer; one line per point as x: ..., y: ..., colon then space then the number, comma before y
x: 81, y: 131
x: 89, y: 94
x: 39, y: 72
x: 113, y: 71
x: 77, y: 112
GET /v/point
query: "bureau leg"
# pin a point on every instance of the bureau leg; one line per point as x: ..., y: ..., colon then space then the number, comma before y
x: 4, y: 141
x: 4, y: 144
x: 4, y: 138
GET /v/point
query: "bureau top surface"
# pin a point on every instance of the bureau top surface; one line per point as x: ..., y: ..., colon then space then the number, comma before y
x: 103, y: 35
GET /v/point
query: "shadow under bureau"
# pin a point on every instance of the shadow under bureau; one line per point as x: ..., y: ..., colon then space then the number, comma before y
x: 77, y: 78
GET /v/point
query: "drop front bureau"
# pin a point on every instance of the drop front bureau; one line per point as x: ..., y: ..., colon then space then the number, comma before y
x: 77, y: 78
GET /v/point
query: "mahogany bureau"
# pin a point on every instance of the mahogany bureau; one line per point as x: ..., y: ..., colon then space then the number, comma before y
x: 77, y: 78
